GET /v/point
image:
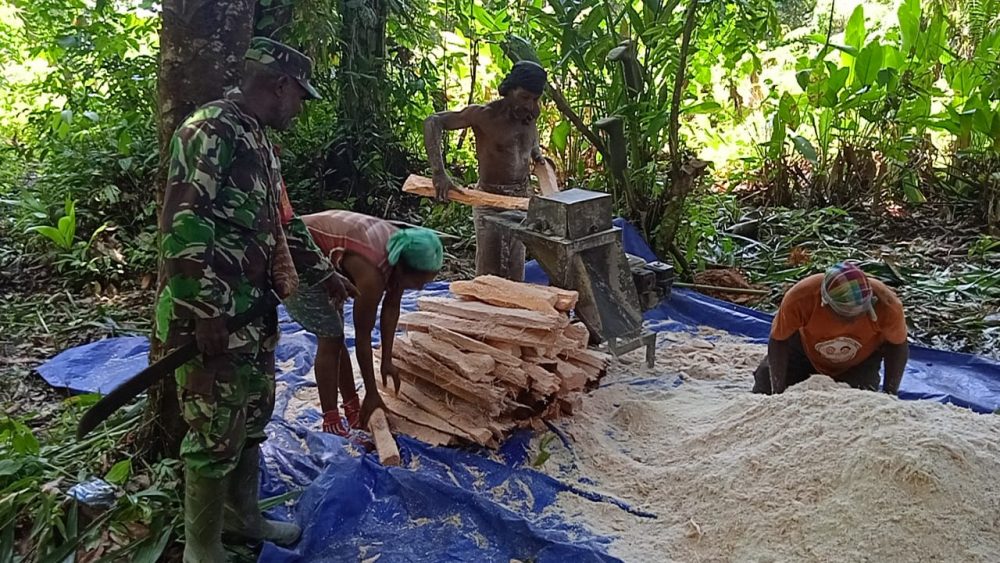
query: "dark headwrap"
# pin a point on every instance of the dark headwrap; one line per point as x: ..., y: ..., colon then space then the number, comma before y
x: 525, y: 74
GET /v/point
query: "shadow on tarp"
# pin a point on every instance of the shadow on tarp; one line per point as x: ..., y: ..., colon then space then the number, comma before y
x: 449, y: 504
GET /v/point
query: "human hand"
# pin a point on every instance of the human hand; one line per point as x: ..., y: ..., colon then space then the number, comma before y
x: 286, y: 283
x: 442, y: 185
x: 339, y: 288
x: 211, y: 336
x: 372, y: 402
x: 389, y: 370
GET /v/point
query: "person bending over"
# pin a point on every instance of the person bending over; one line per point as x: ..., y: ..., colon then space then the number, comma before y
x: 381, y: 260
x: 841, y: 324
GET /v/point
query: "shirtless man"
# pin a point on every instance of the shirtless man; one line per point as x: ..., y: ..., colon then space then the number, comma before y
x: 507, y: 149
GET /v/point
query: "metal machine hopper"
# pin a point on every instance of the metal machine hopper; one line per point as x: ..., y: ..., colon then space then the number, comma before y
x: 571, y: 235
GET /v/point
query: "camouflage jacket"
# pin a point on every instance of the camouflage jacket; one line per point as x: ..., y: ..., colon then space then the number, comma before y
x: 220, y: 212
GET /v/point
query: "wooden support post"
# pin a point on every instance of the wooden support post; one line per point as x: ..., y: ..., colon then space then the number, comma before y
x: 388, y: 452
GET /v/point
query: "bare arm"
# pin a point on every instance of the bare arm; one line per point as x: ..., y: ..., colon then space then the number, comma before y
x: 777, y: 360
x: 371, y: 286
x: 536, y: 152
x: 434, y: 128
x: 895, y: 357
x: 388, y: 321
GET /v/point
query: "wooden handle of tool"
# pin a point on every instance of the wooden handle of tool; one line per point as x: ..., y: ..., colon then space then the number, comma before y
x: 423, y: 186
x: 388, y: 452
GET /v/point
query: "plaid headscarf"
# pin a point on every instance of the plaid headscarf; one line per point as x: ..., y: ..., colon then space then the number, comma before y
x: 846, y: 290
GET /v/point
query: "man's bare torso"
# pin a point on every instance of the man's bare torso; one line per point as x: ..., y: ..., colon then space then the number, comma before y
x: 504, y: 145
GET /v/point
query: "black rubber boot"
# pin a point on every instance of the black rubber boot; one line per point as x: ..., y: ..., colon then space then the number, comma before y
x: 203, y: 519
x: 243, y: 517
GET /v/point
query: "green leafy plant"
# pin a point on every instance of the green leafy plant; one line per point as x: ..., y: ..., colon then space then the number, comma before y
x: 543, y: 450
x: 36, y: 471
x: 63, y: 234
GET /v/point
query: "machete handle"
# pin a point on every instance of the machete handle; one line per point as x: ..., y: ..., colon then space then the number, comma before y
x: 133, y: 386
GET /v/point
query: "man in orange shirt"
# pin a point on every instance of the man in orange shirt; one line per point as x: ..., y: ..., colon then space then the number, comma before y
x: 840, y: 324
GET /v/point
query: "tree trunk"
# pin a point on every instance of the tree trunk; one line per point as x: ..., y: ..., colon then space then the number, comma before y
x: 202, y: 44
x: 360, y: 80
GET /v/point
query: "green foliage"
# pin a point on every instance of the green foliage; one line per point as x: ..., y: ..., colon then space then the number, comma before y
x: 871, y: 110
x: 63, y: 234
x: 76, y: 123
x: 34, y: 477
x: 543, y: 450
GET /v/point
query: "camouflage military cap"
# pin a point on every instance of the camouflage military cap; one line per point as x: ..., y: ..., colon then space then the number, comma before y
x: 283, y: 58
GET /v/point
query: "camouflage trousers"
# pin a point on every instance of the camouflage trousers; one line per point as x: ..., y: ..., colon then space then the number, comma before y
x: 226, y: 401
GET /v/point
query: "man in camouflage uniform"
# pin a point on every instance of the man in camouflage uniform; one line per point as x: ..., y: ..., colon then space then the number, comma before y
x: 221, y: 236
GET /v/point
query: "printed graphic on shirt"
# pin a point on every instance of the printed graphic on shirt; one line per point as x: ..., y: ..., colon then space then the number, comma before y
x: 838, y: 350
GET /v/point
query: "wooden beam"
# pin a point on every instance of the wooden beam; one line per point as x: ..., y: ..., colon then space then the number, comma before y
x: 548, y: 182
x: 542, y: 381
x: 421, y: 416
x: 422, y: 433
x: 423, y: 186
x: 459, y: 412
x: 571, y: 378
x: 472, y: 366
x: 478, y: 311
x: 489, y: 398
x: 513, y: 376
x: 467, y: 344
x: 388, y: 452
x: 565, y: 298
x: 505, y: 293
x: 483, y: 330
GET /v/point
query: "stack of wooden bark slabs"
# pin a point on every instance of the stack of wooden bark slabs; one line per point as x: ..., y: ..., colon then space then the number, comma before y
x: 500, y: 355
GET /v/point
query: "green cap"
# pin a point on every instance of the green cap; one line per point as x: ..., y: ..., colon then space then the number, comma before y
x: 283, y: 58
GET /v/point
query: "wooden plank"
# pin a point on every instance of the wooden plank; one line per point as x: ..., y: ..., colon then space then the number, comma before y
x: 548, y: 182
x: 423, y: 186
x: 474, y: 367
x: 512, y: 350
x: 593, y: 373
x: 591, y: 358
x: 422, y: 433
x: 388, y: 452
x: 478, y: 311
x: 565, y: 299
x: 483, y: 330
x: 571, y: 378
x: 472, y: 345
x: 463, y: 413
x: 437, y: 415
x: 578, y: 334
x: 513, y: 376
x: 505, y: 294
x: 418, y: 415
x: 542, y: 381
x: 490, y: 398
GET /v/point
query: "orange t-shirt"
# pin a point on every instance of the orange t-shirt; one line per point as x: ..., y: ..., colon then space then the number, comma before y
x: 832, y: 343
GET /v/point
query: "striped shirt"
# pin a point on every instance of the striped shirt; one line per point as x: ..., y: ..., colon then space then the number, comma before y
x: 338, y: 232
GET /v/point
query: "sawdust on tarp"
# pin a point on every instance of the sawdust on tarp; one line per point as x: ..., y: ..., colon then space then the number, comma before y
x: 820, y: 473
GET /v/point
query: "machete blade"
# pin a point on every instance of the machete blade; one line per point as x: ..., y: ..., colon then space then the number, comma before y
x: 165, y: 366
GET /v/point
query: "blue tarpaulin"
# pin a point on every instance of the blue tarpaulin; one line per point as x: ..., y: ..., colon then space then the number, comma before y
x: 460, y: 505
